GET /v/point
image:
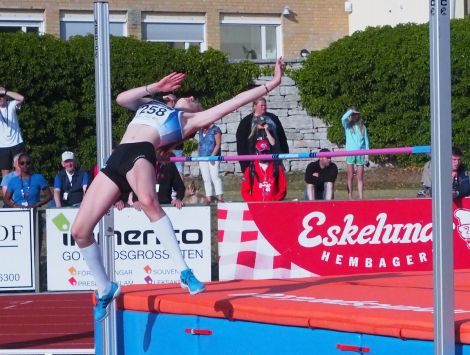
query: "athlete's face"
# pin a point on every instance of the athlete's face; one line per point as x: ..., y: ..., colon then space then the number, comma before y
x: 3, y: 101
x: 188, y: 104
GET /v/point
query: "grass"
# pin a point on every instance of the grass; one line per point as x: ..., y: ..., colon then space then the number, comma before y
x: 380, y: 183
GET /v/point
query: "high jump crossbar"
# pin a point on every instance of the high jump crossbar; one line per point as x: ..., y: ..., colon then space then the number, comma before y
x: 308, y: 155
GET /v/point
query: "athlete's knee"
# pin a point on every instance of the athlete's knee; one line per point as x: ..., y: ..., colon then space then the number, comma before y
x: 148, y: 200
x: 81, y: 236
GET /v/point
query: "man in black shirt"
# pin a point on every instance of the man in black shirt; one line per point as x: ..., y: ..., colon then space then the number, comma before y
x: 169, y: 179
x: 320, y: 177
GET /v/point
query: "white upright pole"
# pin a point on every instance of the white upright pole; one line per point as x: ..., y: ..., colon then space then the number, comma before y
x: 104, y: 145
x: 441, y: 142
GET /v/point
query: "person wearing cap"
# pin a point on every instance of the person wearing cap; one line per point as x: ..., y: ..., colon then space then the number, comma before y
x: 24, y: 190
x: 320, y: 177
x: 356, y: 139
x: 70, y: 184
x: 245, y: 127
x: 11, y: 141
x: 264, y: 180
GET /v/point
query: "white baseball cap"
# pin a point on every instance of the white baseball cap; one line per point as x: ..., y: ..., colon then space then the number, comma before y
x: 67, y: 156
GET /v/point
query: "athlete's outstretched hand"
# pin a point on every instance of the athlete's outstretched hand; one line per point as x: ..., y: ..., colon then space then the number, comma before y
x: 276, y: 80
x: 278, y: 69
x: 170, y: 82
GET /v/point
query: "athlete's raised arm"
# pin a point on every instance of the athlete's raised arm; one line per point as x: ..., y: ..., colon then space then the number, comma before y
x: 204, y: 118
x: 133, y: 98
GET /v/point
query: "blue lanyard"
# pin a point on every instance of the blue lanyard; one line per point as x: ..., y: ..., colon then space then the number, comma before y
x: 25, y: 191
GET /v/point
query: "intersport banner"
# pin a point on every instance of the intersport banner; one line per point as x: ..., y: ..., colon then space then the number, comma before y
x: 298, y: 239
x: 139, y: 258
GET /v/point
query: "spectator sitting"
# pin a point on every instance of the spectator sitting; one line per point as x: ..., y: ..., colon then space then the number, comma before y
x: 320, y: 177
x: 426, y: 176
x: 168, y: 180
x: 193, y: 194
x: 246, y: 124
x: 16, y: 172
x: 11, y: 141
x: 264, y: 180
x: 460, y: 179
x: 70, y: 183
x: 24, y: 191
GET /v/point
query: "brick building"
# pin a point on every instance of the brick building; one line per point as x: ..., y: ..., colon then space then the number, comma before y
x: 260, y: 30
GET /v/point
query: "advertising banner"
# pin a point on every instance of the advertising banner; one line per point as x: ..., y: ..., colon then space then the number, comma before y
x: 297, y: 239
x: 17, y: 245
x: 139, y: 256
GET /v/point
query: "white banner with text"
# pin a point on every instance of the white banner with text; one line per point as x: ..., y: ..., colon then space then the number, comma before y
x: 17, y: 245
x: 139, y: 257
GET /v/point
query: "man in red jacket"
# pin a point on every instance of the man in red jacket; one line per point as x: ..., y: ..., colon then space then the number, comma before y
x: 264, y: 180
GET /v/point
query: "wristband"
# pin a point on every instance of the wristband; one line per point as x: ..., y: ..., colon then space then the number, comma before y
x: 266, y: 88
x: 147, y: 89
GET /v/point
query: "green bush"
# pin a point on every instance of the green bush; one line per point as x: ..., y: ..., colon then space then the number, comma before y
x: 57, y: 79
x: 385, y: 73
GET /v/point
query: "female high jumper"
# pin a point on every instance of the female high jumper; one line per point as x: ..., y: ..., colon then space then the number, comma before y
x: 132, y: 167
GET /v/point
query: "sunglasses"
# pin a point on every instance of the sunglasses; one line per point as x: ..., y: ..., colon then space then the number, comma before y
x: 28, y: 162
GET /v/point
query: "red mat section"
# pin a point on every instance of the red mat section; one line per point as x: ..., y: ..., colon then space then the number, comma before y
x: 390, y: 304
x: 46, y: 321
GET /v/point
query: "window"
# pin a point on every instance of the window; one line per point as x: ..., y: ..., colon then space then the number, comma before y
x: 81, y: 23
x: 24, y: 21
x: 177, y: 30
x: 251, y: 37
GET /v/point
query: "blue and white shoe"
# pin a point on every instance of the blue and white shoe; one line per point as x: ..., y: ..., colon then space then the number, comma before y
x: 101, y: 310
x: 189, y: 281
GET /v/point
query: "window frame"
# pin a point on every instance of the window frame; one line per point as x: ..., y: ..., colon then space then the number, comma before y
x: 23, y: 19
x: 115, y: 17
x: 176, y: 18
x: 263, y: 21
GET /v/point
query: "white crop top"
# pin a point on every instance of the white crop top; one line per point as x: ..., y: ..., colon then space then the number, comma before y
x: 164, y: 119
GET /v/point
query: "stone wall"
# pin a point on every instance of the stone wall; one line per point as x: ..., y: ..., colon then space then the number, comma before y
x: 304, y: 133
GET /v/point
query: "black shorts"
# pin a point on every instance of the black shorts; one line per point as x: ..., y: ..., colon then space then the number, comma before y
x: 123, y: 159
x: 7, y: 154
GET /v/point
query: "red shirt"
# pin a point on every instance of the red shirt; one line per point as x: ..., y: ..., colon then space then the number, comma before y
x: 265, y: 187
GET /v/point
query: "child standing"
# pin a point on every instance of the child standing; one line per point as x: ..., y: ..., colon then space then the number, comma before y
x: 356, y: 139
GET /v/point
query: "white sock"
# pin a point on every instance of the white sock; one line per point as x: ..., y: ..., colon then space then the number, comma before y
x: 94, y: 261
x: 166, y: 235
